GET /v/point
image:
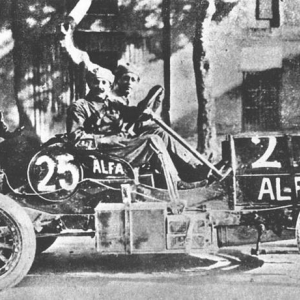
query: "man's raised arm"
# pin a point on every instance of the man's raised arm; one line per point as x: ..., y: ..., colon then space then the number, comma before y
x: 67, y: 29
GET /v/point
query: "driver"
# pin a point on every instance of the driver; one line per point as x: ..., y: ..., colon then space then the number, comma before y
x: 126, y: 79
x: 97, y: 114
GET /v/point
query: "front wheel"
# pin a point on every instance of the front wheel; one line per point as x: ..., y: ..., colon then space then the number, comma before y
x: 17, y: 243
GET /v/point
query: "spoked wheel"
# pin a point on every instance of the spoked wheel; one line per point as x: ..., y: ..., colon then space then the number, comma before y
x: 17, y: 243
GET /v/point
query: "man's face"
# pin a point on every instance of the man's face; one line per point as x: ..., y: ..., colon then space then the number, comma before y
x: 127, y: 82
x: 99, y: 87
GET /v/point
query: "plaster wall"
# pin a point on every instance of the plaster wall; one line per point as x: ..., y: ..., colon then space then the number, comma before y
x: 228, y: 43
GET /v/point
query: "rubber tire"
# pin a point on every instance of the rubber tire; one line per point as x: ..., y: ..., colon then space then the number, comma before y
x: 42, y: 244
x: 17, y: 215
x: 297, y: 231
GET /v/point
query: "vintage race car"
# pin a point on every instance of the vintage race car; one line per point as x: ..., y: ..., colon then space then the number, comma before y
x: 77, y: 190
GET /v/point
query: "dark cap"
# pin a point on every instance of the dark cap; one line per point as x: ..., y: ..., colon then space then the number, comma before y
x: 125, y: 68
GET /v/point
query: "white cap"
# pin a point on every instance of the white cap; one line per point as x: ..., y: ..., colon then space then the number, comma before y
x: 100, y: 72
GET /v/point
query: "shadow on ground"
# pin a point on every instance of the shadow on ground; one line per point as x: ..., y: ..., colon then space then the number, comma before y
x: 95, y: 262
x: 82, y: 258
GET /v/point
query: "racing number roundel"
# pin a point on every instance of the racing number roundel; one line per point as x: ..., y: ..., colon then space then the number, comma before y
x: 53, y: 173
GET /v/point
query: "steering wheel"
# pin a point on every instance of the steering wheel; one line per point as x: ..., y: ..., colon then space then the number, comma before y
x: 154, y: 92
x: 148, y: 102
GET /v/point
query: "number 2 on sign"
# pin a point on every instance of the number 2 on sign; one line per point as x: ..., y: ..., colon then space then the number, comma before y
x: 263, y: 162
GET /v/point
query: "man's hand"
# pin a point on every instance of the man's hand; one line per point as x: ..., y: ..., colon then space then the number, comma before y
x: 159, y: 98
x: 154, y: 98
x: 148, y: 113
x: 67, y: 28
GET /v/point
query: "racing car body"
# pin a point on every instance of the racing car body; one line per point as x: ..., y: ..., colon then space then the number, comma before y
x: 77, y: 190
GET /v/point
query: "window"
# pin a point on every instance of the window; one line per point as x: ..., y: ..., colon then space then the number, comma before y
x: 268, y: 10
x: 261, y: 111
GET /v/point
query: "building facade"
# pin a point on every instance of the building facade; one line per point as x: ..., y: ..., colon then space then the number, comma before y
x: 251, y: 67
x: 254, y: 59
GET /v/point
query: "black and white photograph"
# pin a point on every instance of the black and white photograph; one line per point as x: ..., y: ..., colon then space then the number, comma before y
x: 149, y: 149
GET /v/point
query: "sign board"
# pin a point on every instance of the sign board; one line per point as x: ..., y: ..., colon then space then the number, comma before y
x: 267, y: 169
